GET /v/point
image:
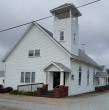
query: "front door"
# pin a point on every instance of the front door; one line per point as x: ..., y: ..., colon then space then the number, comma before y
x: 56, y: 79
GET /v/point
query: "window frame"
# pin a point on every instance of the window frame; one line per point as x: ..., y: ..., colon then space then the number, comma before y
x: 22, y: 79
x: 74, y: 38
x: 31, y: 52
x: 35, y: 53
x: 26, y: 79
x: 61, y: 36
x: 80, y: 76
x: 88, y: 77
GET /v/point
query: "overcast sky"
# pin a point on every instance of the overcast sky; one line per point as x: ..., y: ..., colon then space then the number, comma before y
x: 93, y: 30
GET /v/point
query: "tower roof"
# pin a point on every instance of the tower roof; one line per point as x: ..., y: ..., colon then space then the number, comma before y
x: 66, y: 7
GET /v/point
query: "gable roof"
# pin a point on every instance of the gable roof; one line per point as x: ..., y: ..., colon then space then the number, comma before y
x: 58, y: 65
x: 13, y: 48
x: 25, y: 33
x: 82, y: 55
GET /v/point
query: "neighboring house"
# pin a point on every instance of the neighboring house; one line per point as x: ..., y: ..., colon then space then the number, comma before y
x: 2, y: 78
x: 2, y: 73
x: 53, y: 59
x: 102, y: 78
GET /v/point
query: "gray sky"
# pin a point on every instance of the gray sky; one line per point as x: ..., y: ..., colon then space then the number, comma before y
x: 93, y: 31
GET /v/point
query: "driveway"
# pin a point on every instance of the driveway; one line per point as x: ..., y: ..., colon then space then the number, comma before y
x: 86, y: 102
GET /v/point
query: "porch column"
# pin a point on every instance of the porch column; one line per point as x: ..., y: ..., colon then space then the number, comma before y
x: 61, y: 78
x: 46, y: 77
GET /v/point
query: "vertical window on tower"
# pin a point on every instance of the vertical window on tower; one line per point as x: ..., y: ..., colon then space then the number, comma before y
x: 62, y: 36
x: 88, y: 76
x: 74, y: 39
x: 80, y: 75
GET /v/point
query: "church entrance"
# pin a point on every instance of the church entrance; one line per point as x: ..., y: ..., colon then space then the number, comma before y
x: 56, y: 79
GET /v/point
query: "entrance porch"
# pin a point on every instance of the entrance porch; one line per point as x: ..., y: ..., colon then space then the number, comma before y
x: 57, y: 74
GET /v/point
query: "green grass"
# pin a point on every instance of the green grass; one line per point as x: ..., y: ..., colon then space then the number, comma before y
x: 15, y: 92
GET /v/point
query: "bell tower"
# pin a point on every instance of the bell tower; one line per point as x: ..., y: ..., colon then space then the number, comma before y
x: 66, y: 27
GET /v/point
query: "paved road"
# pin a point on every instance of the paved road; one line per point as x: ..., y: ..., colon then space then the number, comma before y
x: 87, y: 102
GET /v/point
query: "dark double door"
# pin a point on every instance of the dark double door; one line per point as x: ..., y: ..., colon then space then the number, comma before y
x: 56, y: 79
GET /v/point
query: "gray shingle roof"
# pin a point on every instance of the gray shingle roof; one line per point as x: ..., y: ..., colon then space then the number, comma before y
x: 86, y: 59
x: 63, y: 67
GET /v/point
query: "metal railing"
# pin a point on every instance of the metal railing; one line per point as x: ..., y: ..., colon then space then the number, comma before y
x: 29, y: 87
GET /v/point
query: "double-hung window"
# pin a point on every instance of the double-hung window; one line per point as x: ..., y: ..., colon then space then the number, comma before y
x: 31, y: 53
x: 37, y: 53
x: 34, y: 53
x: 22, y: 77
x: 27, y: 77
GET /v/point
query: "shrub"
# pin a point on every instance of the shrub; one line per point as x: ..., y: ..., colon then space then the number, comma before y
x: 1, y: 86
x: 8, y: 89
x: 106, y: 87
x: 99, y: 89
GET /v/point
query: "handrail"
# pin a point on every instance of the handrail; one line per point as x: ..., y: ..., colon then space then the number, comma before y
x: 30, y: 87
x: 30, y: 84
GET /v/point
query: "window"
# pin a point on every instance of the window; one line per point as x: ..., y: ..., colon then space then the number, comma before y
x: 88, y: 76
x: 34, y: 53
x: 63, y: 15
x: 61, y: 35
x: 22, y: 77
x: 33, y: 77
x: 27, y: 77
x: 74, y: 39
x: 72, y: 77
x: 80, y: 75
x: 94, y: 77
x: 37, y: 52
x: 31, y: 53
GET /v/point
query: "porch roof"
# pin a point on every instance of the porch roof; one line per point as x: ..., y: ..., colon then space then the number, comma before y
x: 59, y: 66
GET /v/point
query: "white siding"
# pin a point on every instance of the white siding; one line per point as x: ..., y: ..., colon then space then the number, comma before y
x: 83, y: 88
x: 19, y: 61
x: 69, y: 26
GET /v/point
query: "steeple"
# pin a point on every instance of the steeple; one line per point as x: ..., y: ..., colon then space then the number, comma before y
x: 66, y: 26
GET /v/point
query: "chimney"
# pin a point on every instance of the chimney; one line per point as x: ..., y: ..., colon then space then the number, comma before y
x: 83, y: 47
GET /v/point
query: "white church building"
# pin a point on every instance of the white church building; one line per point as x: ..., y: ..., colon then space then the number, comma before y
x: 52, y: 58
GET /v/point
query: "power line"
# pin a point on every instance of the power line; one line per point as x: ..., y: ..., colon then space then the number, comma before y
x: 88, y: 3
x: 43, y: 18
